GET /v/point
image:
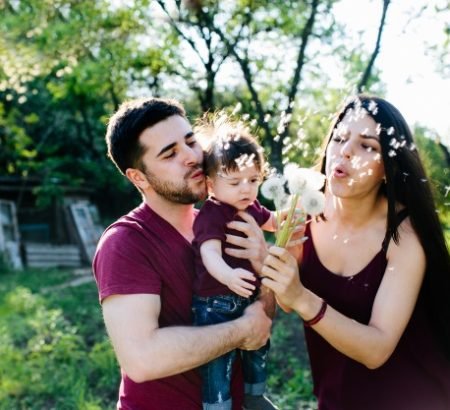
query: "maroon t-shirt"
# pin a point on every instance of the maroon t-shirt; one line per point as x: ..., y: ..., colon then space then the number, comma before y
x: 211, y: 223
x: 415, y: 377
x: 142, y: 253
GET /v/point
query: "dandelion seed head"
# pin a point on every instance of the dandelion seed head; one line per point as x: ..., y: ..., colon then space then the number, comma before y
x: 313, y: 202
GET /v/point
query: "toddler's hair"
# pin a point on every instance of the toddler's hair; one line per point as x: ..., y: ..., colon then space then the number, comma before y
x: 229, y: 145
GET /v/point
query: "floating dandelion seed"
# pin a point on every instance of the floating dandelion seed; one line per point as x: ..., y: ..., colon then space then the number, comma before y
x: 345, y: 241
x: 351, y: 182
x: 276, y: 138
x: 412, y: 147
x: 335, y: 237
x: 373, y: 108
x: 355, y: 162
x: 267, y: 118
x: 392, y: 153
x: 237, y: 108
x: 301, y: 134
x: 447, y: 190
x: 423, y: 180
x: 370, y: 171
x: 390, y: 131
x: 378, y: 129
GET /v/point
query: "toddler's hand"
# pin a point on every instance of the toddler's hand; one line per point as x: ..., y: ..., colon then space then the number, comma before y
x: 237, y: 282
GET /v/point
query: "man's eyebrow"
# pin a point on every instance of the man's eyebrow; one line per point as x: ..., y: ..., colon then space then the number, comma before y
x: 190, y: 134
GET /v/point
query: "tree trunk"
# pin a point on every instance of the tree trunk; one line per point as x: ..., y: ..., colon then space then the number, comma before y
x: 368, y: 71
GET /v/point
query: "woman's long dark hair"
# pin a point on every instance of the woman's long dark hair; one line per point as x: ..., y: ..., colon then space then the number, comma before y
x: 407, y: 184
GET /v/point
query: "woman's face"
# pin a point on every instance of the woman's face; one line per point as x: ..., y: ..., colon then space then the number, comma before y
x: 354, y: 166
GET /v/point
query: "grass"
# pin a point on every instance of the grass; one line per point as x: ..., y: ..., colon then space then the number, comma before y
x: 55, y: 353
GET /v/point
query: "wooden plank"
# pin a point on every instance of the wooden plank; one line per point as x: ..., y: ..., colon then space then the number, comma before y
x: 48, y: 255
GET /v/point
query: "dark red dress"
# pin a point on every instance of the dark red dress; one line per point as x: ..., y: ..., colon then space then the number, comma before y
x: 415, y: 377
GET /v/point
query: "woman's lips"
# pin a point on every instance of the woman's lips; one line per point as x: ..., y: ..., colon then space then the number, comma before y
x: 340, y: 172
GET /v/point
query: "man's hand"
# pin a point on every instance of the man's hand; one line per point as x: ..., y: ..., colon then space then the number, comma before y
x: 254, y: 245
x: 257, y: 326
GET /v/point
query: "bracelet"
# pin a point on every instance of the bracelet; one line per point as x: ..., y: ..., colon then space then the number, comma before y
x: 318, y: 317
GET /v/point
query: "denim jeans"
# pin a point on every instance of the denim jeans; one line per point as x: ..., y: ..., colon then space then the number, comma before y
x: 217, y: 373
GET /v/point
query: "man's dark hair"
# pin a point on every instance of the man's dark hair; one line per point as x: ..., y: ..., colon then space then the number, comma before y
x: 128, y: 123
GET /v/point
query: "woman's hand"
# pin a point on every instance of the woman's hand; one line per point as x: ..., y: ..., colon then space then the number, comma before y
x: 280, y: 274
x: 254, y: 246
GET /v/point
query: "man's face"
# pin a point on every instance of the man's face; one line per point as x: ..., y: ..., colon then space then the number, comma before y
x: 173, y: 161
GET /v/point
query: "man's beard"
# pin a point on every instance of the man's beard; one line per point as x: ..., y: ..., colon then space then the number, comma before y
x: 180, y: 194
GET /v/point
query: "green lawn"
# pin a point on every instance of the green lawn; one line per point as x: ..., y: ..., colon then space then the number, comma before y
x: 55, y: 353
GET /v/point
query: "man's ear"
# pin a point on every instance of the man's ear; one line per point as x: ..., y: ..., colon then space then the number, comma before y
x: 137, y: 178
x: 209, y: 185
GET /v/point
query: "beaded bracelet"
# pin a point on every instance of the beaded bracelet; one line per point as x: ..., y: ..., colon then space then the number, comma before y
x: 318, y: 317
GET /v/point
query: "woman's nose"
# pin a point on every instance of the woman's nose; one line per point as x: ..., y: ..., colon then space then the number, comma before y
x: 347, y: 149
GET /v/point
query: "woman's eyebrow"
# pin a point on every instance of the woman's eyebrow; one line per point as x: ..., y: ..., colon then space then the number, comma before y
x: 372, y: 137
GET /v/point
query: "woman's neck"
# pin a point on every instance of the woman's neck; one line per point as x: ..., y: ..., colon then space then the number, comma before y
x: 355, y: 212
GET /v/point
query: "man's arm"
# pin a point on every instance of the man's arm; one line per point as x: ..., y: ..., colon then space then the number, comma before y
x: 146, y: 352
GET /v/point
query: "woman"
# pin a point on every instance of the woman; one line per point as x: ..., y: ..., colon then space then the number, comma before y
x: 374, y: 280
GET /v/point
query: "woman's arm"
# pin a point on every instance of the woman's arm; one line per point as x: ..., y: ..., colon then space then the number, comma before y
x: 394, y: 303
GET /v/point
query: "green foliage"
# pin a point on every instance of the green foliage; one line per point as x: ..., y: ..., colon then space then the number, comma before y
x: 435, y: 158
x: 289, y: 383
x: 53, y: 347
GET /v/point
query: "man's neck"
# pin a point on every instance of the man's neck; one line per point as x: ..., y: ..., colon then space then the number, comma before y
x: 180, y: 216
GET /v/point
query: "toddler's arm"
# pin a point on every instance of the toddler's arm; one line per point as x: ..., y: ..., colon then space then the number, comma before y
x: 271, y: 224
x: 235, y: 279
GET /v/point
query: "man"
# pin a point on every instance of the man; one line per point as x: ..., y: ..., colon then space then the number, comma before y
x: 144, y: 265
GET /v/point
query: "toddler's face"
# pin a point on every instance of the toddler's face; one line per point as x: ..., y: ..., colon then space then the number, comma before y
x: 237, y: 188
